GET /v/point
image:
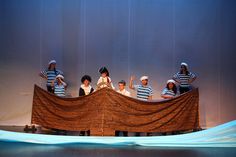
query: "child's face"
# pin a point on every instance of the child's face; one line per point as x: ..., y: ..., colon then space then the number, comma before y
x: 86, y: 82
x: 170, y: 85
x: 104, y: 74
x: 182, y: 67
x: 59, y: 80
x: 121, y: 86
x: 144, y: 82
x: 53, y: 66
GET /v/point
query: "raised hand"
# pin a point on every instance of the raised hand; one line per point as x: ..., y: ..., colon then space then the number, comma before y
x: 132, y: 78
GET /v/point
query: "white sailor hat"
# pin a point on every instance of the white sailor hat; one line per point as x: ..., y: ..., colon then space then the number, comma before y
x: 144, y: 78
x: 170, y: 81
x: 184, y: 64
x: 51, y: 62
x: 60, y: 76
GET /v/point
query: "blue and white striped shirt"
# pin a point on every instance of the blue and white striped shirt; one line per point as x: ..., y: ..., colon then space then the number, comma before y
x: 143, y: 92
x: 184, y: 79
x: 51, y: 75
x: 166, y: 91
x: 59, y: 90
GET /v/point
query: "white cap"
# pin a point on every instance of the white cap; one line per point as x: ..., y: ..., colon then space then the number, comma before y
x: 170, y: 81
x: 144, y: 78
x: 60, y: 76
x: 51, y: 62
x: 185, y: 64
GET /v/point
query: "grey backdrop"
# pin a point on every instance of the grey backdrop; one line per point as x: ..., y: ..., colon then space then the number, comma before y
x: 130, y: 37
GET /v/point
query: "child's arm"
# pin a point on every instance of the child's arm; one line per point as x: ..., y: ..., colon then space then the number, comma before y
x: 112, y: 86
x: 131, y: 85
x: 81, y: 92
x: 166, y: 96
x: 110, y: 83
x: 193, y: 78
x: 64, y: 84
x: 53, y: 83
x: 150, y: 97
x: 99, y: 81
x: 43, y: 75
x: 175, y: 78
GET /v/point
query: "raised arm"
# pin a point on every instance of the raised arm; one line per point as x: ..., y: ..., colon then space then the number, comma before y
x: 131, y: 85
x: 64, y: 84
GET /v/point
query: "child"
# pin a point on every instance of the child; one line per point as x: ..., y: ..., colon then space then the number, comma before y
x: 184, y: 78
x: 59, y: 86
x: 170, y: 90
x: 104, y: 80
x: 85, y: 88
x: 144, y: 91
x: 122, y: 89
x: 50, y: 74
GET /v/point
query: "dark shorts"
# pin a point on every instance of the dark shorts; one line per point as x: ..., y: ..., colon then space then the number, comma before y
x: 184, y: 89
x: 50, y: 89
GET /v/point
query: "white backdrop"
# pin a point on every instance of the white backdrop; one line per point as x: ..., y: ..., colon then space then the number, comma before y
x: 132, y: 37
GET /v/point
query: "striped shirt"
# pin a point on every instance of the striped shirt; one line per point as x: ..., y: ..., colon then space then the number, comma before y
x: 184, y: 79
x: 59, y: 90
x: 166, y: 91
x: 143, y: 92
x: 51, y: 75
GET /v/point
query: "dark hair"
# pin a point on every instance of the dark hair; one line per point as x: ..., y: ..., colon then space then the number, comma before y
x: 86, y: 77
x: 104, y: 70
x: 174, y: 88
x: 49, y: 67
x: 122, y: 82
x: 181, y: 71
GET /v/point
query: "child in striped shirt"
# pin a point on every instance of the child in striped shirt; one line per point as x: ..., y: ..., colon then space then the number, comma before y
x: 170, y: 90
x: 144, y: 91
x: 59, y: 86
x: 184, y: 78
x: 50, y: 74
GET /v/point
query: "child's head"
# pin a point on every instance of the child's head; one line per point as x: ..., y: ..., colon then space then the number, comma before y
x: 104, y: 72
x: 170, y: 85
x: 86, y: 80
x: 121, y: 85
x: 144, y: 80
x: 184, y: 68
x: 59, y: 78
x: 52, y: 65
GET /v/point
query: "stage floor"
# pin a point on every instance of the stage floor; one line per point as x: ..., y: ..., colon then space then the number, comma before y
x: 32, y: 150
x: 219, y: 141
